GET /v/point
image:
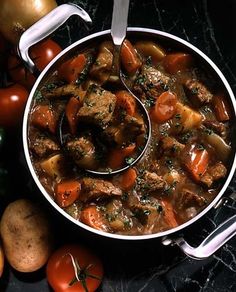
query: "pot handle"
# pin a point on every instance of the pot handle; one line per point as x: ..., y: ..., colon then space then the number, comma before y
x: 44, y: 27
x: 211, y: 243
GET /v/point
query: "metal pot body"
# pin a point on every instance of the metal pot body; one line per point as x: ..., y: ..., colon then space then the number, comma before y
x: 174, y: 42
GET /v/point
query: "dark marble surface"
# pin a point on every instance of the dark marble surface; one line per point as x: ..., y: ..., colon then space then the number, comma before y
x: 148, y: 265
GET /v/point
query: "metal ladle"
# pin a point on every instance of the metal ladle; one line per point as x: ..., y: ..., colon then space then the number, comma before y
x: 118, y: 33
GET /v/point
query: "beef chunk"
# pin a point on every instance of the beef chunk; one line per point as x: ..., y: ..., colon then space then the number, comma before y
x: 93, y: 189
x: 82, y: 152
x: 188, y: 199
x: 214, y: 173
x: 217, y: 127
x: 148, y: 213
x: 151, y: 83
x: 171, y: 145
x: 98, y: 106
x: 43, y: 146
x: 134, y: 125
x: 197, y: 91
x: 102, y: 66
x: 151, y: 182
x: 65, y: 90
x: 126, y: 132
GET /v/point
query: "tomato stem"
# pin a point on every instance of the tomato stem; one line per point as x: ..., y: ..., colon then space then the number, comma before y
x: 81, y: 274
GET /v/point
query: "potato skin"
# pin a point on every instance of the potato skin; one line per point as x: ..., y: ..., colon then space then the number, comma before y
x: 26, y: 236
x: 1, y: 261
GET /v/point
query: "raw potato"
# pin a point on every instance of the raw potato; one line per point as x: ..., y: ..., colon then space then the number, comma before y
x: 1, y: 261
x: 26, y: 236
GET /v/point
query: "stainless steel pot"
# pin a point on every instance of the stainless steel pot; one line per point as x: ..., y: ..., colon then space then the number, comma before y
x: 50, y: 23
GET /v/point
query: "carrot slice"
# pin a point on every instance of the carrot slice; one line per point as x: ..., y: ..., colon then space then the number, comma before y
x: 169, y: 214
x: 67, y: 192
x: 177, y: 62
x: 129, y: 58
x: 221, y: 107
x: 71, y: 110
x: 126, y: 101
x: 196, y: 161
x: 128, y: 179
x: 164, y: 108
x: 70, y: 70
x: 92, y: 217
x: 43, y: 117
x: 117, y: 156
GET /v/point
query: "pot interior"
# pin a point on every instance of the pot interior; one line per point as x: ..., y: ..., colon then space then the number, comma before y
x: 134, y: 34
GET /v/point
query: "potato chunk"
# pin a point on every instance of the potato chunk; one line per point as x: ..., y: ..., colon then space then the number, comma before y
x: 188, y: 118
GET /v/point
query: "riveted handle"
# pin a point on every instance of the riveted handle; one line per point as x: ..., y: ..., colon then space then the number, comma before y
x: 212, y: 242
x: 44, y: 27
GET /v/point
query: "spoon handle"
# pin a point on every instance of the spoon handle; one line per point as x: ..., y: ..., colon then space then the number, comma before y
x: 119, y: 21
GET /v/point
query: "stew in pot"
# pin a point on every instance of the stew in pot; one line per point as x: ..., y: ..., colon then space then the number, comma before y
x: 80, y: 119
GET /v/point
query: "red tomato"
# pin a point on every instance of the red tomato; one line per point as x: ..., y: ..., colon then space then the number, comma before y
x: 74, y: 268
x: 18, y: 72
x: 42, y: 53
x: 12, y: 104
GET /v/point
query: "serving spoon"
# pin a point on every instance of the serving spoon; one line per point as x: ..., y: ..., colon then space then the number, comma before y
x: 118, y: 34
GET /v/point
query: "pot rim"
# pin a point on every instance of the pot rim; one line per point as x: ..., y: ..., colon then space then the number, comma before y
x: 48, y: 197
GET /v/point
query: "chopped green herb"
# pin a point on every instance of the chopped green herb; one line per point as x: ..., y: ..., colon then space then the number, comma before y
x: 89, y: 103
x: 50, y: 86
x: 206, y: 109
x: 168, y: 190
x: 38, y: 96
x: 140, y: 148
x: 140, y: 80
x: 178, y: 116
x: 164, y: 86
x: 102, y: 208
x: 150, y: 85
x: 194, y: 90
x: 150, y: 101
x: 159, y: 208
x: 110, y: 108
x: 169, y: 164
x: 97, y: 63
x: 124, y: 197
x: 129, y: 160
x: 149, y: 61
x: 146, y: 212
x: 144, y: 199
x: 186, y: 137
x: 208, y: 131
x: 200, y: 147
x: 175, y: 148
x: 127, y: 223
